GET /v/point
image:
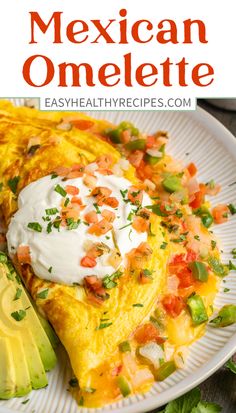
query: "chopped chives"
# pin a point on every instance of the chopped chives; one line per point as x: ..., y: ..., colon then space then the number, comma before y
x: 51, y: 211
x: 58, y: 188
x: 35, y: 226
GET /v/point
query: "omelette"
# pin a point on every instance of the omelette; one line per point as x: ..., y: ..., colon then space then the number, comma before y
x: 111, y: 238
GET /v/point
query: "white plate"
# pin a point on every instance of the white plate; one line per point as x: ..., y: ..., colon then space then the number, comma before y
x: 213, y: 149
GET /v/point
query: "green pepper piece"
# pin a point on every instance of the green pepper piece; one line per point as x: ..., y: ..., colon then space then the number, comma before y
x: 197, y: 309
x: 123, y: 386
x: 165, y: 370
x: 199, y: 270
x: 124, y: 347
x: 172, y: 184
x: 151, y: 160
x: 138, y: 144
x: 226, y: 316
x: 114, y: 135
x: 129, y: 126
x: 205, y: 215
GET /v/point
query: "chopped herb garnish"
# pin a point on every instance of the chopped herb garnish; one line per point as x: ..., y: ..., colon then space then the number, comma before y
x: 125, y: 226
x: 137, y: 305
x: 50, y: 269
x: 3, y: 258
x: 163, y: 245
x: 51, y: 211
x: 35, y: 226
x: 147, y: 273
x: 213, y: 244
x: 124, y: 193
x: 54, y: 175
x: 109, y: 280
x: 71, y: 224
x: 98, y: 211
x: 81, y: 401
x: 89, y: 390
x: 103, y: 325
x: 58, y: 188
x: 25, y: 401
x: 46, y: 219
x: 10, y: 276
x: 18, y: 294
x: 73, y: 382
x: 33, y: 149
x: 107, y: 237
x: 13, y: 183
x: 18, y: 315
x: 124, y: 347
x: 86, y: 223
x: 150, y: 233
x: 57, y: 223
x: 232, y: 266
x: 197, y: 237
x: 179, y: 213
x: 226, y: 290
x: 43, y: 294
x: 232, y: 209
x: 156, y: 209
x: 17, y: 278
x: 181, y: 238
x: 1, y: 186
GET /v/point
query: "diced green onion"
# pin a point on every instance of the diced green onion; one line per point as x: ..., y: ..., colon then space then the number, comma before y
x: 226, y: 316
x: 165, y: 370
x: 197, y: 309
x: 35, y: 226
x: 172, y: 184
x: 205, y: 215
x: 123, y: 386
x: 138, y: 144
x: 51, y: 211
x: 103, y: 325
x: 13, y: 184
x: 217, y: 267
x: 58, y: 188
x: 73, y: 382
x: 124, y: 347
x: 199, y: 270
x: 232, y: 209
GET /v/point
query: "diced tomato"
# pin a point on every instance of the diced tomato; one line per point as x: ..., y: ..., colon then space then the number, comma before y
x: 108, y: 215
x: 178, y: 258
x: 144, y: 171
x: 23, y: 254
x: 220, y: 213
x: 148, y: 332
x: 94, y: 299
x: 125, y: 136
x: 173, y: 305
x: 168, y: 208
x: 76, y: 200
x: 101, y: 193
x: 117, y: 370
x: 191, y: 256
x: 87, y: 261
x: 96, y: 293
x: 183, y: 273
x: 82, y: 124
x: 111, y: 201
x: 69, y: 212
x: 95, y: 251
x: 135, y: 158
x: 151, y: 140
x: 74, y: 174
x: 135, y: 195
x: 213, y: 191
x: 100, y: 228
x: 61, y: 171
x: 91, y: 217
x: 145, y: 249
x: 104, y: 161
x: 199, y: 197
x: 144, y: 279
x: 140, y: 224
x: 192, y: 169
x: 90, y: 180
x: 72, y: 190
x: 78, y: 167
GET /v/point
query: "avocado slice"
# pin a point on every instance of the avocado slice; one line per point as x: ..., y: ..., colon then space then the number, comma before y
x: 7, y: 371
x: 31, y: 348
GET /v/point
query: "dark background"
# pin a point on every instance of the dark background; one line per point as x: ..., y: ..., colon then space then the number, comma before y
x: 221, y: 387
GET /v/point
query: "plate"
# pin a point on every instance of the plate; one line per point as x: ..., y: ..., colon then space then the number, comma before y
x: 198, y: 137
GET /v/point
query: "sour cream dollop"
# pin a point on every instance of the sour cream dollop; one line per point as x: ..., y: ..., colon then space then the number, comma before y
x: 56, y: 256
